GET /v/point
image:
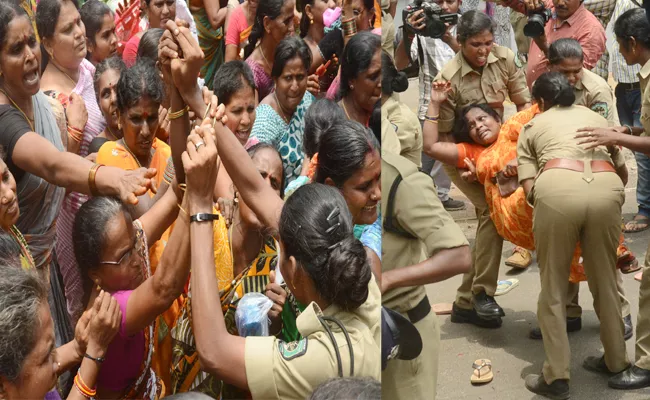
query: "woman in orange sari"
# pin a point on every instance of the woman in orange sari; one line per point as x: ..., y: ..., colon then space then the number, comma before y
x: 140, y: 92
x: 488, y: 149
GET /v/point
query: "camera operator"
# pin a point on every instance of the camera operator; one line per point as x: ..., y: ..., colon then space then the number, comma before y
x: 431, y: 55
x: 561, y: 19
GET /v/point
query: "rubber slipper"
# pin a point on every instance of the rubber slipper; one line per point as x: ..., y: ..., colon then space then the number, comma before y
x: 630, y: 267
x: 638, y: 276
x: 639, y: 224
x: 504, y: 287
x: 442, y: 308
x: 482, y: 372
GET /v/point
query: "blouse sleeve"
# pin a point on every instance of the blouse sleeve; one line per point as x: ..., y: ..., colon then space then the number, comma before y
x: 12, y: 127
x: 235, y: 27
x: 266, y: 128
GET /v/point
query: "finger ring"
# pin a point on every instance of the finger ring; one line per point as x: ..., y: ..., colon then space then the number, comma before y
x: 199, y: 144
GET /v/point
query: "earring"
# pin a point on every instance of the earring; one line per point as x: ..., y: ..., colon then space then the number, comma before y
x: 99, y: 288
x: 352, y: 87
x: 311, y: 21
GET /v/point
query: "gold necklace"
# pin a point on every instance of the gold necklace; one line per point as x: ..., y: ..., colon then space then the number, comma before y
x: 24, y: 247
x: 284, y: 113
x: 133, y: 155
x: 345, y: 109
x: 64, y: 73
x: 29, y: 121
x: 264, y: 57
x: 110, y: 132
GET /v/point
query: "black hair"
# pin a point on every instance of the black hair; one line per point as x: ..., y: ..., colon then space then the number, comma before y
x: 9, y: 10
x: 375, y: 121
x: 92, y: 14
x: 316, y: 229
x: 141, y: 80
x: 254, y: 149
x: 288, y: 49
x: 342, y: 151
x: 266, y: 8
x: 633, y: 24
x: 89, y: 235
x: 392, y: 80
x: 114, y: 62
x: 357, y: 56
x: 554, y: 89
x: 347, y: 388
x: 232, y: 77
x: 320, y: 116
x: 148, y: 46
x: 564, y: 48
x: 305, y: 23
x: 9, y: 248
x: 461, y: 130
x: 47, y: 15
x: 472, y: 23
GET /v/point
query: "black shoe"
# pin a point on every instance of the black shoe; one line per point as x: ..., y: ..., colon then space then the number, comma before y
x: 453, y: 205
x: 629, y: 328
x: 486, y: 307
x: 463, y: 316
x: 597, y: 364
x: 632, y: 378
x: 572, y: 325
x: 557, y: 390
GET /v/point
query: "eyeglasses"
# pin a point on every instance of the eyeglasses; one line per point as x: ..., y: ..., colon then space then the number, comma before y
x: 126, y: 257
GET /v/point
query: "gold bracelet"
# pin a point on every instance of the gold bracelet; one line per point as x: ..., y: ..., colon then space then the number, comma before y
x: 182, y: 209
x: 177, y: 114
x: 91, y: 179
x: 349, y: 27
x: 182, y: 186
x: 433, y: 121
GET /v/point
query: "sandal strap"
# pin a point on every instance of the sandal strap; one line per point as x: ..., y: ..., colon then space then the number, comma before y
x: 478, y: 367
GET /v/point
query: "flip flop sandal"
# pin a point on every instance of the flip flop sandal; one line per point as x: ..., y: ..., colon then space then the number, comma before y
x: 504, y: 287
x: 442, y: 308
x: 630, y: 267
x: 638, y: 276
x: 637, y: 224
x: 482, y: 372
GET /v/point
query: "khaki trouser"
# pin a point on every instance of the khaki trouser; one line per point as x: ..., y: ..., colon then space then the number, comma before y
x: 642, y: 351
x: 568, y: 210
x: 415, y: 379
x: 573, y: 309
x: 488, y: 245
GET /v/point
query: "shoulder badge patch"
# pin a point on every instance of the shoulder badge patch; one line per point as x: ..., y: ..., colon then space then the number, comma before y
x: 292, y: 350
x: 601, y: 108
x: 518, y: 62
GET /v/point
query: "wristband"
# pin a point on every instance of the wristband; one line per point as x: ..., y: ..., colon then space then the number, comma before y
x: 204, y: 217
x: 96, y: 359
x: 91, y: 180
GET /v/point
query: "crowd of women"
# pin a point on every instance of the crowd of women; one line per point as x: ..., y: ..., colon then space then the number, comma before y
x: 151, y: 183
x: 549, y: 179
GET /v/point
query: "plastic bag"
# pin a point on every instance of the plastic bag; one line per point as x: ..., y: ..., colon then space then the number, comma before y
x: 251, y: 316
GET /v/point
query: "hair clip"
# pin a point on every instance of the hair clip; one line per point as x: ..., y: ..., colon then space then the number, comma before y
x: 335, y: 213
x: 335, y: 245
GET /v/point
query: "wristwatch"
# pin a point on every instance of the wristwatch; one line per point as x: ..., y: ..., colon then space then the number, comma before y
x: 204, y: 217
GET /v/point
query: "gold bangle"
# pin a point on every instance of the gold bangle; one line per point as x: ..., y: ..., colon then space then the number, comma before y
x: 177, y: 114
x: 182, y: 186
x: 182, y: 209
x: 91, y: 179
x: 433, y: 121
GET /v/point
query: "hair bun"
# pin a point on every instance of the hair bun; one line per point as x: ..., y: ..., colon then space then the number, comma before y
x: 350, y: 285
x: 565, y: 96
x: 400, y: 82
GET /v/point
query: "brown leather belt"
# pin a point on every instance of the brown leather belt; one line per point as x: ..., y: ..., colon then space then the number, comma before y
x: 578, y: 166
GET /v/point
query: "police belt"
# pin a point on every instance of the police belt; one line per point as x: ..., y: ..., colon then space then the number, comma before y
x: 417, y: 313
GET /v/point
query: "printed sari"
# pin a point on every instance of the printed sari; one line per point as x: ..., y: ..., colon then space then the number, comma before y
x: 213, y: 45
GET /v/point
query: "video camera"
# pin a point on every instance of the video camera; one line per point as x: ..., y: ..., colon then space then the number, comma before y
x: 434, y: 22
x: 536, y: 22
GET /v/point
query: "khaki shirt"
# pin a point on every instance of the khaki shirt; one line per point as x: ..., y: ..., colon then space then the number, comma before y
x: 417, y: 210
x: 389, y: 139
x: 407, y: 127
x: 501, y: 77
x: 388, y: 33
x: 551, y: 135
x: 280, y: 370
x: 594, y: 92
x: 644, y: 80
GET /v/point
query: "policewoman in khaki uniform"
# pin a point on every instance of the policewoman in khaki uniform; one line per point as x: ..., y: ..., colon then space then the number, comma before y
x: 406, y: 123
x: 421, y: 244
x: 577, y: 197
x: 593, y: 92
x: 324, y: 266
x: 632, y: 31
x: 480, y: 73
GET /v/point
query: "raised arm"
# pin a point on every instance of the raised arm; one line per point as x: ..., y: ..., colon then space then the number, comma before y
x: 441, y: 151
x: 220, y: 353
x: 216, y: 14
